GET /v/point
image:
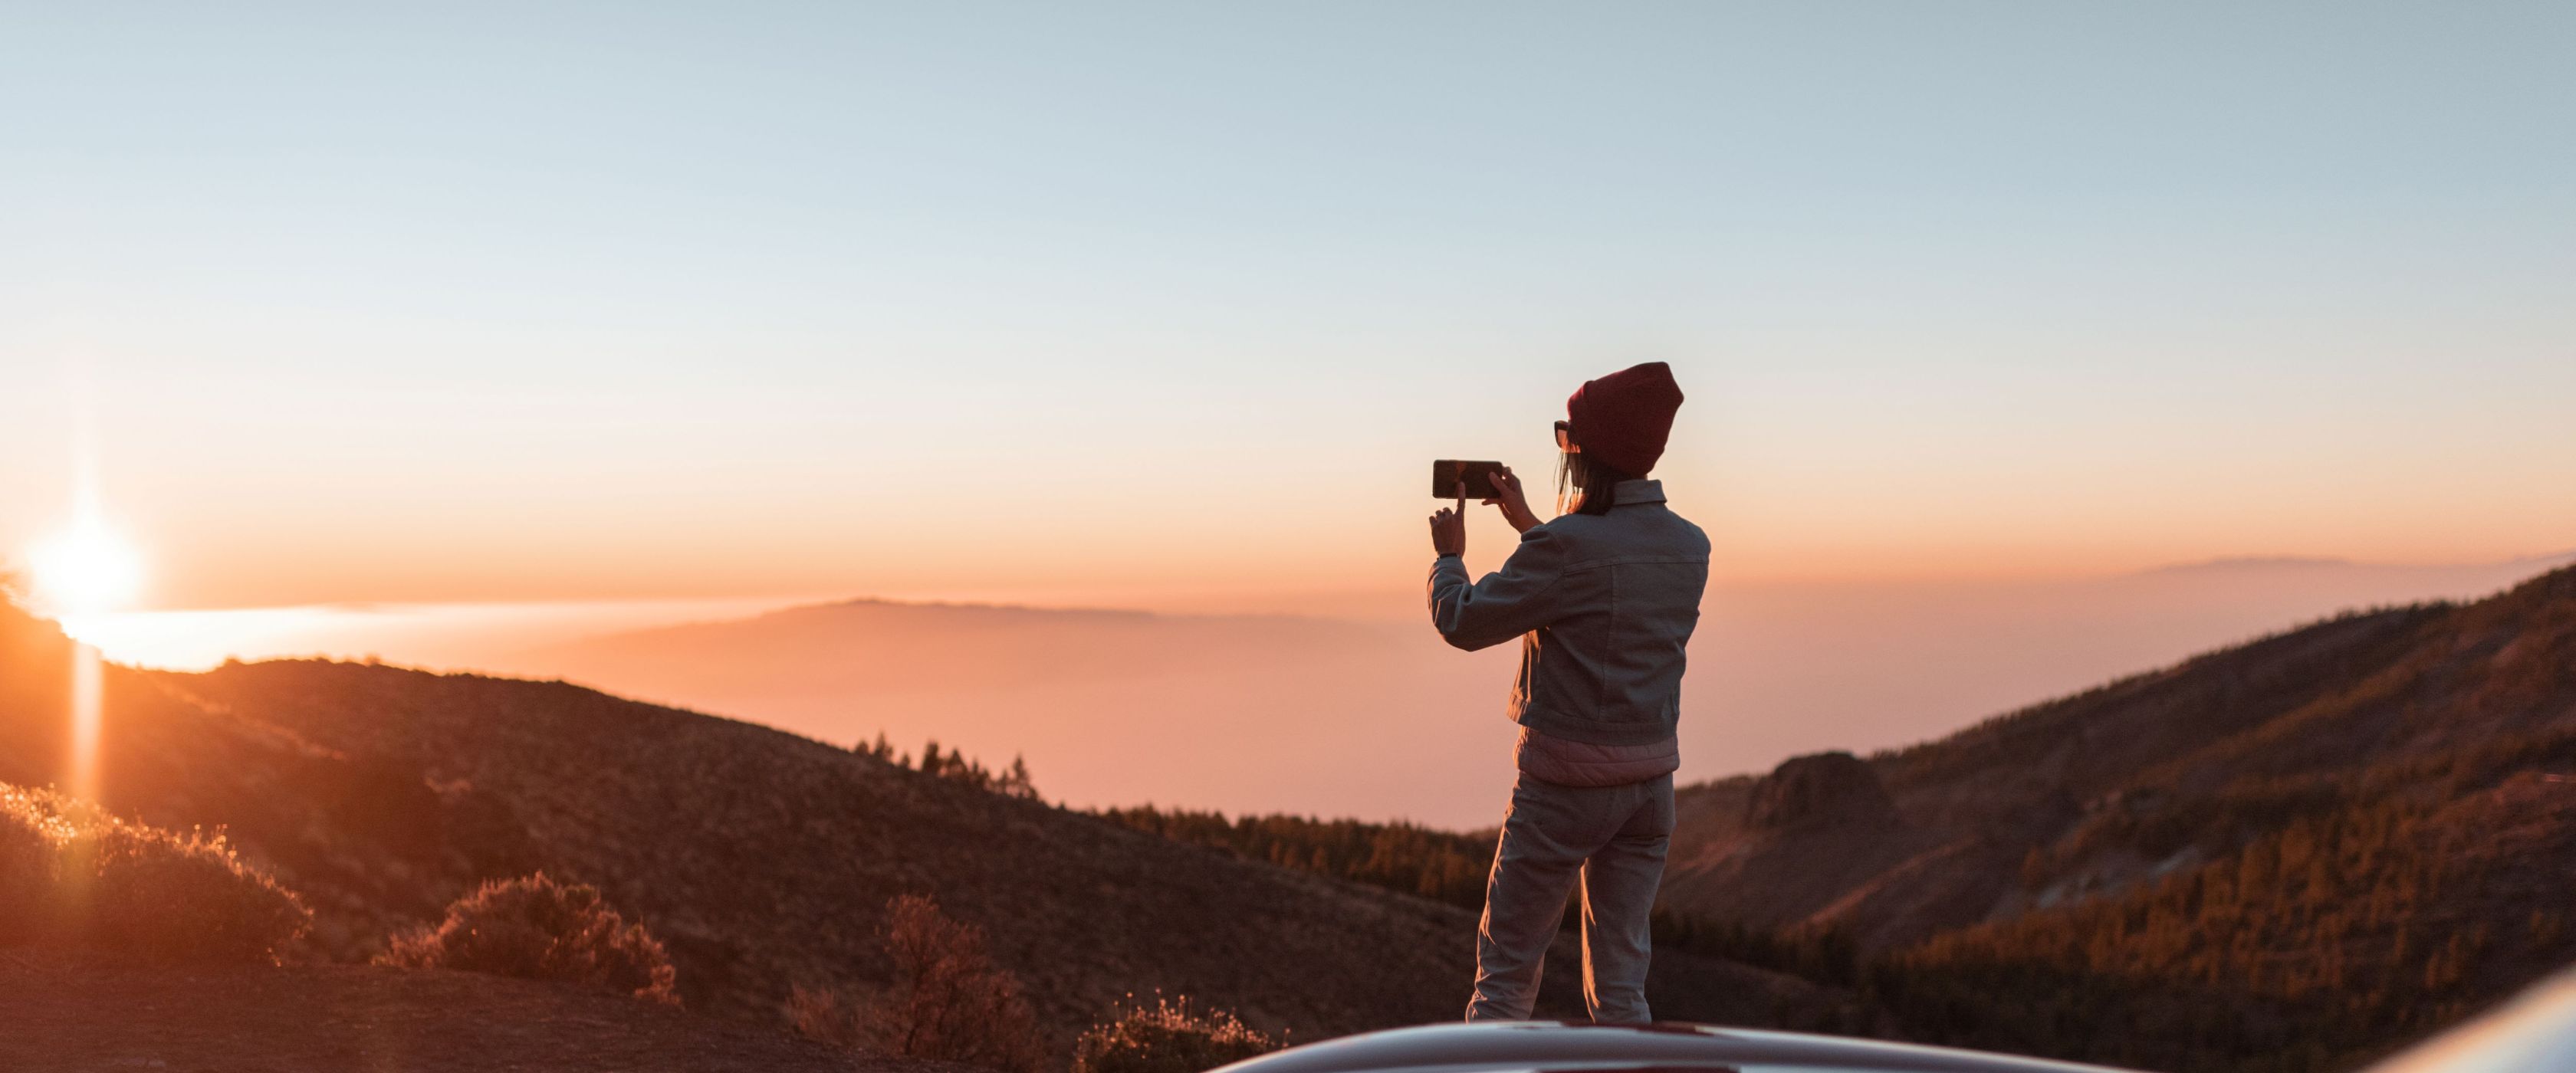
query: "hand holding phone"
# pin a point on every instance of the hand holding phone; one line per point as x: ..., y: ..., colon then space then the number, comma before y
x: 1507, y: 496
x: 1487, y: 482
x: 1447, y: 474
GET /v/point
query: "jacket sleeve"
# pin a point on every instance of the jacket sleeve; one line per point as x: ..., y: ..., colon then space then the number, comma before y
x: 1522, y: 596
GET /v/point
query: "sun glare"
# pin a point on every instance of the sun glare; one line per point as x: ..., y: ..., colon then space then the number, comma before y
x: 85, y: 569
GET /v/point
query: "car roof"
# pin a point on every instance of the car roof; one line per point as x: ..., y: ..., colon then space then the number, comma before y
x: 1558, y: 1045
x: 2535, y: 1033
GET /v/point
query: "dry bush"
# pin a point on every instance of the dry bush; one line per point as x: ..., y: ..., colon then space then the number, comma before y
x: 1168, y: 1037
x: 949, y: 1001
x: 27, y: 858
x: 822, y: 1015
x: 71, y: 874
x: 540, y: 929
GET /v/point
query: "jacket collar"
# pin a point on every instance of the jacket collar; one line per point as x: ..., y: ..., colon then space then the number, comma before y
x: 1639, y: 491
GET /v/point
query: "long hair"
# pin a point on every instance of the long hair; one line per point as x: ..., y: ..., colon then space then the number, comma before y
x: 1584, y: 486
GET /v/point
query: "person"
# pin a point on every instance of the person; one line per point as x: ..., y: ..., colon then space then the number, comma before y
x: 1603, y: 600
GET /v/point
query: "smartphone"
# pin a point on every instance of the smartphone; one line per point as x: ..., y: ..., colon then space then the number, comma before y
x: 1446, y: 473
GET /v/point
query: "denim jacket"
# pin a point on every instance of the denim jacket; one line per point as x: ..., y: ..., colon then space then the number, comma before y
x: 1603, y: 604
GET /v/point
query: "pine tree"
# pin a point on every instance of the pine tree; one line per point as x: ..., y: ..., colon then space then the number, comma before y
x: 1016, y: 781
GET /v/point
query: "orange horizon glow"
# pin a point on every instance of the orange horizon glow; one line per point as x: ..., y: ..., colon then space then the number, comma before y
x: 94, y: 570
x: 255, y: 539
x: 89, y: 567
x: 1211, y: 502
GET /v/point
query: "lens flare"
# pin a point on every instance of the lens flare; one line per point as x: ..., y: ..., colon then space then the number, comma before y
x: 88, y: 719
x: 84, y: 571
x: 78, y: 575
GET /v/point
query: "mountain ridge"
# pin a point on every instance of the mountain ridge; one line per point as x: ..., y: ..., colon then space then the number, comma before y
x: 2285, y: 817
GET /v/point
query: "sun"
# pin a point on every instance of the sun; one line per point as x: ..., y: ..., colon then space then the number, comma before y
x: 84, y: 569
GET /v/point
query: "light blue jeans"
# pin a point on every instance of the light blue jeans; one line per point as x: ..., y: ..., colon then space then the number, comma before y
x: 1609, y: 838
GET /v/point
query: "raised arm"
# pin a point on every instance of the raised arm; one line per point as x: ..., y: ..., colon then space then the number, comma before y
x: 1507, y: 603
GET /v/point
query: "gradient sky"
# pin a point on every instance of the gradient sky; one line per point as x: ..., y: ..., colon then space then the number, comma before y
x: 1162, y: 304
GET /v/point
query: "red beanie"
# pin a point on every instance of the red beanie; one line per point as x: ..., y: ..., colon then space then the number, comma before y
x: 1622, y: 419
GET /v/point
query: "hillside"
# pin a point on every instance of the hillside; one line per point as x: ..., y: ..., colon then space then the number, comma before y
x: 334, y: 1018
x: 2282, y: 856
x: 2309, y: 846
x: 761, y: 858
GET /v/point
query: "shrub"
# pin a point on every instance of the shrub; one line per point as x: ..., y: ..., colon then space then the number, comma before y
x: 822, y: 1015
x: 949, y: 1000
x: 27, y: 856
x: 540, y: 929
x: 71, y: 874
x: 1168, y: 1037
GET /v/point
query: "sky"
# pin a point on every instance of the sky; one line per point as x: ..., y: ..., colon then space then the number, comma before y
x: 1167, y: 305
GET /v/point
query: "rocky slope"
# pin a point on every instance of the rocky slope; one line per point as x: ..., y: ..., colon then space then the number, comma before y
x: 1932, y: 837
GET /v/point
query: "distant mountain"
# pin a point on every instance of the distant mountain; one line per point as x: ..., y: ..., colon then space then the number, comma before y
x: 762, y: 859
x: 2506, y: 571
x: 2321, y: 840
x: 2263, y: 563
x: 2354, y: 584
x: 1382, y: 720
x: 1268, y: 713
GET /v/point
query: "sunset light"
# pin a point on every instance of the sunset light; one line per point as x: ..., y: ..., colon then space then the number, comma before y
x: 81, y: 571
x: 794, y: 537
x: 86, y: 568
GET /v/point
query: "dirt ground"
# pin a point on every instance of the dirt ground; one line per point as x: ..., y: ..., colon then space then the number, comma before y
x: 62, y: 1013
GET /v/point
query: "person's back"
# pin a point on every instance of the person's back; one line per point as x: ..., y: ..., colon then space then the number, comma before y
x: 1604, y: 599
x: 1602, y: 644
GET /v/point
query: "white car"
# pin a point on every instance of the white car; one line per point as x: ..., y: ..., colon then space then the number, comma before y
x: 2536, y: 1033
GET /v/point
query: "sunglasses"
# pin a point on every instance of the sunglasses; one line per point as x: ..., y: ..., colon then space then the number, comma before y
x: 1564, y: 441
